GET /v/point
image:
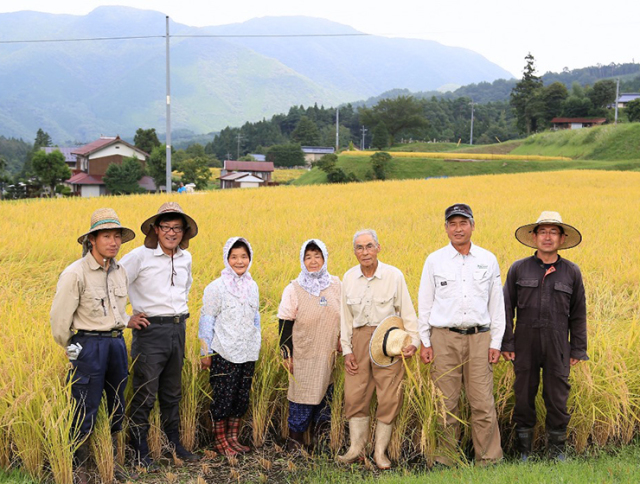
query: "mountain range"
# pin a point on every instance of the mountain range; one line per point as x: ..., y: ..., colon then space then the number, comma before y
x: 224, y: 75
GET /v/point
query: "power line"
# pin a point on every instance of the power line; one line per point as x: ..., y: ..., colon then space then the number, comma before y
x: 138, y: 37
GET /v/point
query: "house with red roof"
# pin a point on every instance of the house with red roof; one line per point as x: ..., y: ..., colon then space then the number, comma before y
x: 92, y: 161
x: 246, y: 174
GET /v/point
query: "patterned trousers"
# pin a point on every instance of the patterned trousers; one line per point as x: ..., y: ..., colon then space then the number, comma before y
x: 301, y: 415
x: 231, y: 385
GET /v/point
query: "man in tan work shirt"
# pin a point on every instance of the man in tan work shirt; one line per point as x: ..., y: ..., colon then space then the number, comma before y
x: 371, y: 292
x: 87, y: 319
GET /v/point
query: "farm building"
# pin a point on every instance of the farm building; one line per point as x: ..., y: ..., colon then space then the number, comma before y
x: 259, y: 170
x: 625, y: 98
x: 314, y: 153
x: 576, y: 123
x: 92, y: 161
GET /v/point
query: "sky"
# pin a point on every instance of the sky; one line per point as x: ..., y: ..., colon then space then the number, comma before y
x: 558, y: 33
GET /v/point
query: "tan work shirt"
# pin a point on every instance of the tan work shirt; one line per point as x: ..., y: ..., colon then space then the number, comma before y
x: 366, y: 302
x: 88, y: 298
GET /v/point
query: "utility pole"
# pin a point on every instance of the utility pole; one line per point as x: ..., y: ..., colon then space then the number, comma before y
x: 472, y: 104
x: 337, y: 130
x: 238, y: 152
x: 168, y: 179
x: 364, y: 131
x: 617, y: 97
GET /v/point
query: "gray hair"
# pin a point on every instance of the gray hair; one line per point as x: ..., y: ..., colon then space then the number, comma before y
x: 370, y: 232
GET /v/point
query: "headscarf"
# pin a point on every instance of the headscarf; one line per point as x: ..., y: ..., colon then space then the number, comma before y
x: 314, y: 282
x: 239, y: 286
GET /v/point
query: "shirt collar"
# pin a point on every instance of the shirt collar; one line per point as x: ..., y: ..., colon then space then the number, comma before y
x: 451, y: 250
x: 158, y: 252
x: 377, y: 273
x: 93, y: 263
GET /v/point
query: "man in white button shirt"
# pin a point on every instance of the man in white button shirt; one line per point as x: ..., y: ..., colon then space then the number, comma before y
x: 461, y: 324
x: 159, y: 281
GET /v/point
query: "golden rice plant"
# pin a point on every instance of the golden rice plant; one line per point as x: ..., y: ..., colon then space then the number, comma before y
x: 444, y: 155
x: 39, y: 241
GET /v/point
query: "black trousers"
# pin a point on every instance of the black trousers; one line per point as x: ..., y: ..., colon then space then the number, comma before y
x: 101, y: 366
x: 547, y: 350
x: 158, y: 355
x: 231, y: 385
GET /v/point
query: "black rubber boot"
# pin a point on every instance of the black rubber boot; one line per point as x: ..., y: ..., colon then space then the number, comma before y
x: 556, y: 443
x: 81, y: 459
x: 525, y: 443
x: 176, y: 447
x: 296, y: 441
x: 141, y: 448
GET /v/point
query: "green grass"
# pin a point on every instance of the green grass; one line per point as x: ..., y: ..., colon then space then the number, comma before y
x: 407, y: 168
x: 14, y: 477
x: 428, y: 147
x: 620, y: 466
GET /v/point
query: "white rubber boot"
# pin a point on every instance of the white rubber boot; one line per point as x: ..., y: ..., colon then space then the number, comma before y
x: 383, y: 437
x: 359, y: 433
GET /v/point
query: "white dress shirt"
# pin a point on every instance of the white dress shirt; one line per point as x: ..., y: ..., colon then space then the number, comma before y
x: 461, y: 291
x: 150, y: 289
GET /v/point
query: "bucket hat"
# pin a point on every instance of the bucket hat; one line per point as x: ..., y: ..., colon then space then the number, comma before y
x: 151, y: 239
x: 107, y: 219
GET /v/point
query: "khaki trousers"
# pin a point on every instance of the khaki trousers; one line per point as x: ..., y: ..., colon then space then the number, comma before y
x: 358, y: 389
x: 464, y: 359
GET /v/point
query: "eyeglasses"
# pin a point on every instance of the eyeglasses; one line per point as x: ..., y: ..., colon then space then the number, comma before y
x: 362, y: 248
x: 167, y: 228
x: 551, y: 232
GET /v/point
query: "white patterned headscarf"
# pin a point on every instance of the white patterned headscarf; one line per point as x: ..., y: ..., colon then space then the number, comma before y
x: 239, y: 286
x: 314, y: 282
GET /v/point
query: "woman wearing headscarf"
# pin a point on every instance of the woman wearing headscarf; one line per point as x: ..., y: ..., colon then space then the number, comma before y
x: 309, y: 316
x: 230, y: 333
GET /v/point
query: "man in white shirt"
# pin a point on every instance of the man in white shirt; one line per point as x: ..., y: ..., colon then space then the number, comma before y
x: 461, y: 324
x: 372, y: 291
x: 159, y: 281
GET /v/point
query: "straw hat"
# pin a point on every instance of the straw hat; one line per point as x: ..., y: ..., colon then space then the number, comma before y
x: 523, y: 234
x: 107, y: 219
x: 388, y: 340
x: 151, y: 239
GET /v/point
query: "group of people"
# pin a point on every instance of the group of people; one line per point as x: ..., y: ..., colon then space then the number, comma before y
x: 466, y: 320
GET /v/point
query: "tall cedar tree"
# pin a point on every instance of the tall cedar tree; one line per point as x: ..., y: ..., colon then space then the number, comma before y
x: 146, y: 139
x: 526, y: 98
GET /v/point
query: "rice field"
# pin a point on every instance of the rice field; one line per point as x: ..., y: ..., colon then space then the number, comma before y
x: 444, y: 155
x: 39, y: 241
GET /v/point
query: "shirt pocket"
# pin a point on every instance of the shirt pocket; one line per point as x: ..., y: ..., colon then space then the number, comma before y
x: 445, y: 284
x: 384, y: 306
x: 95, y: 300
x: 527, y: 292
x: 562, y: 293
x: 481, y: 283
x: 355, y: 306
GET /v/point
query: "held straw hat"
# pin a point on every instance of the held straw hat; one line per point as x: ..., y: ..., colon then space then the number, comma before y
x: 151, y: 239
x: 523, y: 234
x: 107, y: 219
x: 387, y: 341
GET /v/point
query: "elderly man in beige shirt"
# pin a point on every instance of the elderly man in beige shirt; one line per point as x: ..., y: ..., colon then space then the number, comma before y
x: 372, y: 291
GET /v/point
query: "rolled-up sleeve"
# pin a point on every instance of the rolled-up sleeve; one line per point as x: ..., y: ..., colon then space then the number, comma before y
x: 288, y: 308
x: 64, y: 307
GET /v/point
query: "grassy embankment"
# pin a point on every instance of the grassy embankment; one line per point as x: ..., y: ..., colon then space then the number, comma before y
x: 599, y: 148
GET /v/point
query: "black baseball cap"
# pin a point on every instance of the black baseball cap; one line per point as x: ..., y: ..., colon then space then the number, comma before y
x: 458, y: 209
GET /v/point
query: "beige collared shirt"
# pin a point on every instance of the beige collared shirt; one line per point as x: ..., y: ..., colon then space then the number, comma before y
x: 88, y: 298
x: 366, y: 302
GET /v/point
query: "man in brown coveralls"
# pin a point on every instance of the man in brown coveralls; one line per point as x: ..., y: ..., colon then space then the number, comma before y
x: 546, y: 295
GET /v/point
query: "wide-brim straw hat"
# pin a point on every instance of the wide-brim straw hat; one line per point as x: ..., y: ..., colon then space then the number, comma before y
x: 387, y: 341
x: 107, y: 219
x: 573, y: 236
x: 151, y: 239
